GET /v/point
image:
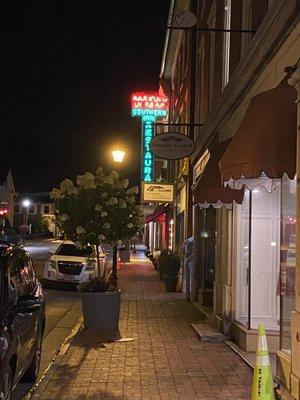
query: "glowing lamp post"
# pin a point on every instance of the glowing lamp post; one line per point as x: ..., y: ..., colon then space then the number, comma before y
x: 25, y: 203
x: 118, y: 156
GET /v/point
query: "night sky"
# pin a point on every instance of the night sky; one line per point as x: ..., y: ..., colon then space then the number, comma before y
x: 68, y: 68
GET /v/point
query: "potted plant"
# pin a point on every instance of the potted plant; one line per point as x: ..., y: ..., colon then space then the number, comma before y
x: 168, y: 268
x: 98, y: 209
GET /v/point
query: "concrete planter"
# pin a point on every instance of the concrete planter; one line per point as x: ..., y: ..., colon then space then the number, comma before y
x: 101, y: 310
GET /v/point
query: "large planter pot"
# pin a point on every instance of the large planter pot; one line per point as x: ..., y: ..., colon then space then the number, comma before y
x: 101, y: 310
x: 170, y: 284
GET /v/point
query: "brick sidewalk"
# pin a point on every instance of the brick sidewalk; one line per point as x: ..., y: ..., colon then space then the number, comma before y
x: 165, y: 360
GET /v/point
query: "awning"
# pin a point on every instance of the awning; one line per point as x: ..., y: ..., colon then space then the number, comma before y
x: 158, y: 212
x: 208, y: 189
x: 264, y: 146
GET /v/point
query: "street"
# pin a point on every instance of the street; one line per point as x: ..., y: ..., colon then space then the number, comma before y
x: 62, y: 310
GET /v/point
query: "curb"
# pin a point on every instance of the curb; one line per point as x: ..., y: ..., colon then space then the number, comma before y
x: 46, y: 377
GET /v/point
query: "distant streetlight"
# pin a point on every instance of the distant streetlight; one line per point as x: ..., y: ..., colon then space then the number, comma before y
x: 118, y: 156
x: 26, y: 203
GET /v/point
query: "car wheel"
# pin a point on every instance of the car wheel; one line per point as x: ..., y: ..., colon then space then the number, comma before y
x: 32, y: 372
x: 6, y: 389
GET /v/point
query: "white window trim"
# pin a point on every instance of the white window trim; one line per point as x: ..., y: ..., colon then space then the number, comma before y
x: 50, y: 209
x: 226, y: 43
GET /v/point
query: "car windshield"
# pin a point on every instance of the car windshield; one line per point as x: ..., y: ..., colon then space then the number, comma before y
x: 71, y: 250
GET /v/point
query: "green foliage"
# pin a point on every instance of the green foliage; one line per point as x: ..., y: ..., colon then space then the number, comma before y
x: 38, y: 224
x: 168, y: 265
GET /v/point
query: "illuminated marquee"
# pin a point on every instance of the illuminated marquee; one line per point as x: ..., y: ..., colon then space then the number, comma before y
x: 150, y: 107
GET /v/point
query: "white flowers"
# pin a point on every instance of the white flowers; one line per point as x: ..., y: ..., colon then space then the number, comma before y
x: 67, y: 187
x: 132, y: 190
x: 130, y: 225
x: 109, y: 180
x: 114, y: 174
x: 98, y: 207
x: 125, y: 183
x: 122, y: 203
x: 87, y: 181
x: 56, y: 194
x: 119, y: 242
x: 64, y: 217
x: 80, y: 230
x: 112, y: 201
x: 106, y: 225
x: 104, y: 214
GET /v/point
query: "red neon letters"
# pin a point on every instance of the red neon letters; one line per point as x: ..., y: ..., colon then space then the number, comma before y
x: 152, y: 101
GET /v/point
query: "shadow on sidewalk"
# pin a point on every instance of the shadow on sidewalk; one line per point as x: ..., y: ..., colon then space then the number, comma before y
x: 73, y: 375
x: 90, y: 339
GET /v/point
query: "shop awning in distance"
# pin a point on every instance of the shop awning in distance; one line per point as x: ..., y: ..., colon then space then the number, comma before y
x: 208, y: 189
x: 158, y: 212
x: 264, y: 145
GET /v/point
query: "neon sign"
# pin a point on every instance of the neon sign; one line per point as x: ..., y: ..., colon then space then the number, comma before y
x: 149, y: 107
x: 149, y: 101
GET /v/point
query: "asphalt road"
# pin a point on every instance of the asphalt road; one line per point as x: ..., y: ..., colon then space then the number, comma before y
x: 62, y: 311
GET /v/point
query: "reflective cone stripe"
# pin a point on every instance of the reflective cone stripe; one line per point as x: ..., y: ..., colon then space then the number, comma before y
x: 263, y: 361
x: 262, y: 385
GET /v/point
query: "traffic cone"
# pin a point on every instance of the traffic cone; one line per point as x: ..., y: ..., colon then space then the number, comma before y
x: 262, y: 384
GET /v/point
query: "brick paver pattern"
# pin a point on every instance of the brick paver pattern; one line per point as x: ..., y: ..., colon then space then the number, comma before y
x: 165, y: 359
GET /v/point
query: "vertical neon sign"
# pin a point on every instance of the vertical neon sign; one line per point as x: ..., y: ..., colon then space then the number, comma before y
x: 149, y: 107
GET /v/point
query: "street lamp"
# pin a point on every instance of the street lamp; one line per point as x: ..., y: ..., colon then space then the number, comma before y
x: 25, y: 203
x: 118, y: 155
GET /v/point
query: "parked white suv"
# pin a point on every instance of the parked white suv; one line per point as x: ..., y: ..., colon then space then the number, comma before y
x: 71, y: 264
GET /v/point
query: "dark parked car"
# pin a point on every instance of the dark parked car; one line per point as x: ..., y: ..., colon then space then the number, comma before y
x: 22, y: 319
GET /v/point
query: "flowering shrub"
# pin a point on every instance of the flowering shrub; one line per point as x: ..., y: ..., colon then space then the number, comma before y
x: 97, y: 209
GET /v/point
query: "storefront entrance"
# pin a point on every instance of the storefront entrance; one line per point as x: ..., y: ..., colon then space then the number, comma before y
x: 258, y: 258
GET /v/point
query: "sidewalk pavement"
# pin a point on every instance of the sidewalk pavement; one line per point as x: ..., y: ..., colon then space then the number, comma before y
x: 159, y: 357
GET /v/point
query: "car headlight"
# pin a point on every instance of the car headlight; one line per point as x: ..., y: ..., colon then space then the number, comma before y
x: 90, y: 265
x: 52, y: 264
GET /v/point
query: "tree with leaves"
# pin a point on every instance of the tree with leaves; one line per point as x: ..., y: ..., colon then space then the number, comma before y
x: 98, y: 209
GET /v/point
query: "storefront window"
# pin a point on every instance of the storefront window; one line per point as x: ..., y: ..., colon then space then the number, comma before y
x: 243, y: 244
x: 258, y: 239
x: 287, y: 260
x: 265, y: 257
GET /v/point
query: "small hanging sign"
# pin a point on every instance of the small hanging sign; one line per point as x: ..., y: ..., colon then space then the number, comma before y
x: 172, y: 146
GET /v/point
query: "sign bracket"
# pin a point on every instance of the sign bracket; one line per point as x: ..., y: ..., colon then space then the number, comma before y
x: 175, y: 124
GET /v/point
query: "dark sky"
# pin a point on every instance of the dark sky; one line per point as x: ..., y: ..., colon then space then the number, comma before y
x: 68, y: 68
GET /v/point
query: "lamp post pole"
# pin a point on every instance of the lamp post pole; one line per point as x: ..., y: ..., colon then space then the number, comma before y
x: 26, y: 204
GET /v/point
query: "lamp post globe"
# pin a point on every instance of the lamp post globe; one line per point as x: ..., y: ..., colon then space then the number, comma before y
x: 118, y: 155
x: 26, y: 203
